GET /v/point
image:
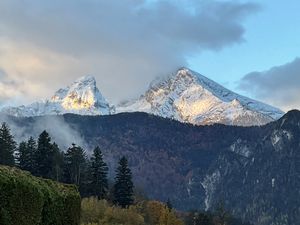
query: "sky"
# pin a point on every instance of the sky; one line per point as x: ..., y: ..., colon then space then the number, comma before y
x: 251, y: 47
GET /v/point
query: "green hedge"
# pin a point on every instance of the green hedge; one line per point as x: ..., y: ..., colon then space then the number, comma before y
x: 28, y: 200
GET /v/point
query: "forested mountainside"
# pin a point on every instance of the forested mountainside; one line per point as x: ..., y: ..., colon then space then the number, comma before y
x: 255, y: 170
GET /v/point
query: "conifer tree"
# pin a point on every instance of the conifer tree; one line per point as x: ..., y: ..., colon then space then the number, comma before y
x: 169, y: 204
x: 44, y: 156
x: 75, y: 163
x: 32, y: 148
x: 123, y: 187
x: 58, y: 162
x: 98, y: 169
x: 21, y: 151
x: 26, y: 156
x: 7, y: 146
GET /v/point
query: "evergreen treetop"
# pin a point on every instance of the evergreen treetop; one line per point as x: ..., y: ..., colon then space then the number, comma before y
x: 75, y: 163
x: 123, y: 188
x: 7, y: 146
x: 44, y: 155
x: 98, y: 168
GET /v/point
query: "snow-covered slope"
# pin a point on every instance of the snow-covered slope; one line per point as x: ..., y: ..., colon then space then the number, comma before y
x: 81, y: 97
x: 190, y: 97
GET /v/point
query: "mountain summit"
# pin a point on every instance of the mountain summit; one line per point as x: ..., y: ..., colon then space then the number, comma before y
x: 190, y: 97
x: 81, y: 97
x: 185, y: 96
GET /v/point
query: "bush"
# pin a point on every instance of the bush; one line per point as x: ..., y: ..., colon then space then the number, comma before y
x: 92, y: 210
x: 99, y: 212
x: 28, y: 200
x: 156, y: 213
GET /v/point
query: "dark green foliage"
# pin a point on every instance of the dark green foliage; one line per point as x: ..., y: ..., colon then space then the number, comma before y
x: 21, y: 155
x: 27, y: 154
x: 74, y: 165
x: 58, y: 163
x: 44, y: 156
x: 204, y: 219
x: 169, y: 204
x: 123, y: 188
x: 7, y: 146
x: 28, y: 200
x: 220, y: 217
x: 98, y: 170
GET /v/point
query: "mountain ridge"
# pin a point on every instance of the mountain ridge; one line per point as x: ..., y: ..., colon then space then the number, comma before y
x: 191, y: 97
x: 185, y: 95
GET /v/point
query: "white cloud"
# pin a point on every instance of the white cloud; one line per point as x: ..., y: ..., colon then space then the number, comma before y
x: 279, y: 85
x: 125, y: 44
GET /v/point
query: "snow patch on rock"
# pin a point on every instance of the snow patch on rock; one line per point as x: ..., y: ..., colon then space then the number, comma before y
x: 241, y: 147
x: 279, y: 138
x: 209, y: 184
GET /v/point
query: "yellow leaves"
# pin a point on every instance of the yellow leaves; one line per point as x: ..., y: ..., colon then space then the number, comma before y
x: 99, y: 212
x: 158, y: 214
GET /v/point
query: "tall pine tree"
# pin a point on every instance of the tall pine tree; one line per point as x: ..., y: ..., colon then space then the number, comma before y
x: 7, y: 146
x: 58, y: 163
x: 27, y: 151
x: 75, y: 165
x: 123, y: 187
x: 21, y: 152
x: 44, y: 156
x: 32, y: 148
x: 98, y: 169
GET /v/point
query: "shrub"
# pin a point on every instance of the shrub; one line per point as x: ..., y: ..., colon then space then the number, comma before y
x: 99, y: 212
x: 92, y: 210
x: 156, y: 213
x: 28, y: 200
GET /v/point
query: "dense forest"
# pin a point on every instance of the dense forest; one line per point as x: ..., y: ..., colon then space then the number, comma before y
x: 103, y: 201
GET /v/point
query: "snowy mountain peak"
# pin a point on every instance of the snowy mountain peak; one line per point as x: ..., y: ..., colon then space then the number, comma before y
x: 81, y: 97
x: 82, y: 94
x: 188, y: 96
x: 184, y: 95
x: 83, y: 83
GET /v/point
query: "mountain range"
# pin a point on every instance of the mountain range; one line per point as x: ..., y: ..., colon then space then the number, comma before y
x: 253, y: 170
x: 185, y: 96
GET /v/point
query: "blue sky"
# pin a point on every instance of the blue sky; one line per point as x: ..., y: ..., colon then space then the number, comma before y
x: 272, y: 38
x: 250, y: 46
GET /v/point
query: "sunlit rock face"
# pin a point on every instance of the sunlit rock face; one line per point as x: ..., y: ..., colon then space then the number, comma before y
x: 190, y: 97
x: 81, y: 97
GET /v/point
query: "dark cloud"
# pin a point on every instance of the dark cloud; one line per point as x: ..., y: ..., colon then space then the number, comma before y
x: 279, y: 85
x: 126, y: 42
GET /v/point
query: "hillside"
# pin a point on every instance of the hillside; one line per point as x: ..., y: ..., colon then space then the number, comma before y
x: 254, y: 170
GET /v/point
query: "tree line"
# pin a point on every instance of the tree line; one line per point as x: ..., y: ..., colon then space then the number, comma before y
x: 44, y: 158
